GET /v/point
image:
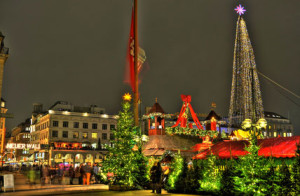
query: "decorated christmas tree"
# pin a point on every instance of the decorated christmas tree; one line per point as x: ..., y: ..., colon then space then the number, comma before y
x: 124, y: 161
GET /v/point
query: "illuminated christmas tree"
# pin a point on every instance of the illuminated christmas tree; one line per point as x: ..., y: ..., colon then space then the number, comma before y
x: 245, y: 101
x: 125, y: 163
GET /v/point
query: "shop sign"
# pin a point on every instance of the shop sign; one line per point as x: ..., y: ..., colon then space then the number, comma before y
x: 22, y: 146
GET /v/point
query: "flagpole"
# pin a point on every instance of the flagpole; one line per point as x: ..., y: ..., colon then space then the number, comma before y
x: 136, y: 93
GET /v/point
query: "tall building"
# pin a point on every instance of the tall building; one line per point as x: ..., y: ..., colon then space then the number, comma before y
x: 3, y: 57
x: 245, y: 100
x: 71, y: 134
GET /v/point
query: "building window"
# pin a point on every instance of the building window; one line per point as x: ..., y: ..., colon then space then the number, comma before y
x: 75, y: 134
x: 111, y: 136
x: 65, y: 134
x: 94, y: 135
x: 54, y: 133
x: 85, y: 135
x: 65, y: 124
x: 275, y: 134
x: 104, y: 136
x: 76, y: 125
x: 94, y: 145
x: 94, y: 125
x: 104, y: 126
x: 284, y: 134
x: 55, y: 123
x: 85, y: 125
x: 112, y: 127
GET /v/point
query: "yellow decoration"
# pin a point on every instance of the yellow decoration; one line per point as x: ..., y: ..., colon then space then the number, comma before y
x: 127, y: 97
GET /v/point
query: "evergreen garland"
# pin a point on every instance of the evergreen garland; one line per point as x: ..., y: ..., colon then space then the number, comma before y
x: 191, y: 131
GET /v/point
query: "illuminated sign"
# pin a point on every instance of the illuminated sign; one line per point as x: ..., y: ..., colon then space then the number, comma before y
x: 22, y: 146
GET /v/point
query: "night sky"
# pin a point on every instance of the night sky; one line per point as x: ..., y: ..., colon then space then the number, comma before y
x: 75, y: 50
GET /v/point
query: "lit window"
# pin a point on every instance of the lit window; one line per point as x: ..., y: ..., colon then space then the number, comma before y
x: 75, y: 134
x: 94, y: 135
x: 85, y: 135
x: 284, y: 134
x: 275, y: 134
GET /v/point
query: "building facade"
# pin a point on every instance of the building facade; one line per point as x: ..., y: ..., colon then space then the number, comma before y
x: 277, y: 125
x: 71, y: 134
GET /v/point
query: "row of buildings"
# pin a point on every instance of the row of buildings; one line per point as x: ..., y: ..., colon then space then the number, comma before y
x: 71, y: 134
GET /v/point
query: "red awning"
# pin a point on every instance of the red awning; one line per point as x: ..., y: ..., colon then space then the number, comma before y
x: 280, y: 147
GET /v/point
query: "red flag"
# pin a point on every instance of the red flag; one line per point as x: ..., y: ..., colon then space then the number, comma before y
x: 129, y: 72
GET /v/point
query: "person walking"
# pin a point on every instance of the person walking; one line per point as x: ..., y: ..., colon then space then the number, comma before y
x: 155, y: 177
x: 87, y: 173
x: 95, y: 173
x: 82, y: 175
x: 71, y: 174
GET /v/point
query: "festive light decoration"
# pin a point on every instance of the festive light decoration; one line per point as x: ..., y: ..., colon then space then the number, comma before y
x: 240, y: 10
x: 127, y: 97
x: 125, y: 161
x: 191, y: 131
x: 158, y: 114
x: 245, y: 100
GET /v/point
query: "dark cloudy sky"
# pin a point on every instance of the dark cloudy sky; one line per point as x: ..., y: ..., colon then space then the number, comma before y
x: 74, y: 50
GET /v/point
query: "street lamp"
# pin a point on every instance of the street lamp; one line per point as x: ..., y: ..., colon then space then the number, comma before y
x: 261, y: 123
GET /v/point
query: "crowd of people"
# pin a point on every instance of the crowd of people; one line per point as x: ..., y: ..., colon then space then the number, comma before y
x: 84, y: 174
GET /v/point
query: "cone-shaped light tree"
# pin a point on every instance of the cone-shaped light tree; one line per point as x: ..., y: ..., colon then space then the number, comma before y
x: 245, y: 100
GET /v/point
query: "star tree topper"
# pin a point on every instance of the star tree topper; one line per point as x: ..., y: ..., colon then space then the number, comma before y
x: 127, y: 97
x: 240, y: 10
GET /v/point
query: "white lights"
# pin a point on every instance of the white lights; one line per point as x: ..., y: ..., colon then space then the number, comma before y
x: 104, y: 116
x: 51, y: 112
x: 66, y: 112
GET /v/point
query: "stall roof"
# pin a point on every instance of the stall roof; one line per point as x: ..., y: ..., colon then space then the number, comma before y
x: 280, y: 147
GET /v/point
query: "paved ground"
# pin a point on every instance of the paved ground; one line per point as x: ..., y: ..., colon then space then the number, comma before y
x: 85, y: 192
x: 24, y: 189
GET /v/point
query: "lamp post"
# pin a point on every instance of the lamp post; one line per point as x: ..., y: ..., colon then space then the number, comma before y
x: 255, y: 127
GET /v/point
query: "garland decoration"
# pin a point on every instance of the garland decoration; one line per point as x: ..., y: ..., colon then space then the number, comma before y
x: 191, y: 131
x: 152, y: 115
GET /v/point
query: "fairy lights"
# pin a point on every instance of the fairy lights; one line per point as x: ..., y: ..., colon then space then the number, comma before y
x: 245, y: 101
